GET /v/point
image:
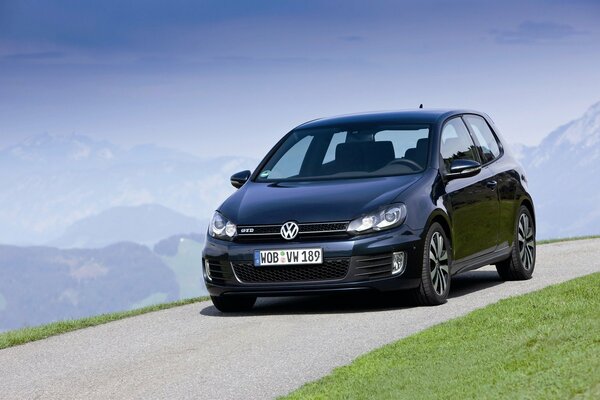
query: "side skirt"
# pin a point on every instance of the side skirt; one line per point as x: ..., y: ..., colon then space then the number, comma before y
x: 481, y: 261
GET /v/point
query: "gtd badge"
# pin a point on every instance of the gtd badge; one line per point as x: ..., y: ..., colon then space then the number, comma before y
x: 247, y: 230
x: 289, y: 230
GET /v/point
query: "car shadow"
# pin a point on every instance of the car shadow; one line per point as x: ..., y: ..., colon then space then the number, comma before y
x: 473, y: 281
x: 463, y: 284
x: 318, y: 304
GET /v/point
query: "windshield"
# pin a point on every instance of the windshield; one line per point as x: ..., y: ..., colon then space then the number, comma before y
x: 350, y: 152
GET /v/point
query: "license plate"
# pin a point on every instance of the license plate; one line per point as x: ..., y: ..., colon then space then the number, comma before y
x: 288, y: 257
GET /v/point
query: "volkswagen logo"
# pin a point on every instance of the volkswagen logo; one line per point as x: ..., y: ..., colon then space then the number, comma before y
x: 289, y: 230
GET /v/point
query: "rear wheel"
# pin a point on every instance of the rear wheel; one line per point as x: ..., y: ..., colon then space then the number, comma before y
x: 520, y: 264
x: 435, y: 273
x: 233, y: 303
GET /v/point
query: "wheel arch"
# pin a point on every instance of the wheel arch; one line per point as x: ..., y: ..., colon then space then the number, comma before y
x: 529, y: 205
x: 442, y: 218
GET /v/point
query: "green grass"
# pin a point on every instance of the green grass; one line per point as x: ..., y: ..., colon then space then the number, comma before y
x: 542, y: 345
x: 24, y: 335
x: 547, y: 241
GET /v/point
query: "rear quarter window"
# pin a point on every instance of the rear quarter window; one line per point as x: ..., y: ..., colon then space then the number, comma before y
x: 488, y: 143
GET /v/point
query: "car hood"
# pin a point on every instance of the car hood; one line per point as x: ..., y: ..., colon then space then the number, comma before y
x: 323, y: 201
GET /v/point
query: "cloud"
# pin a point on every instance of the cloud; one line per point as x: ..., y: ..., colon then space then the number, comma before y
x: 532, y: 32
x: 125, y: 25
x: 44, y: 55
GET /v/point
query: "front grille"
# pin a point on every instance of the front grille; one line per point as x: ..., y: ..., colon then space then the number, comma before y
x: 371, y: 267
x: 308, y: 231
x: 323, y: 227
x: 331, y: 269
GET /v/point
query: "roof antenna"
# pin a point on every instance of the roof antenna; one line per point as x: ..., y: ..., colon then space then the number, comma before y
x: 420, y: 105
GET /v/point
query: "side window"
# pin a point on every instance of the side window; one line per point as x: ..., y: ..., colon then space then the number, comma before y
x: 457, y: 143
x: 291, y: 162
x: 485, y: 137
x: 337, y: 138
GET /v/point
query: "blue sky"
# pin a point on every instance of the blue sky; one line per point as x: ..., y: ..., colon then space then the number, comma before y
x: 217, y: 78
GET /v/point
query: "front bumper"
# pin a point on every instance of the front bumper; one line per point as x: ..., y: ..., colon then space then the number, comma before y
x: 364, y: 256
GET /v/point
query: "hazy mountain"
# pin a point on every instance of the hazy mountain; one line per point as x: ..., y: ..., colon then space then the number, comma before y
x: 145, y: 224
x: 169, y: 247
x: 564, y: 177
x: 50, y: 182
x: 43, y: 284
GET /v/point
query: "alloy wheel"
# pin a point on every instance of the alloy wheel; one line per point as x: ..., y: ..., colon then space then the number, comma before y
x: 526, y: 241
x: 438, y: 263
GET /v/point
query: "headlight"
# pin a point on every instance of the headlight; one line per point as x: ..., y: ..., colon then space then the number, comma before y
x: 221, y: 228
x: 388, y: 217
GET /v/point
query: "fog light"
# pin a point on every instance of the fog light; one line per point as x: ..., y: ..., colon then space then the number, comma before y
x: 398, y: 262
x: 207, y: 270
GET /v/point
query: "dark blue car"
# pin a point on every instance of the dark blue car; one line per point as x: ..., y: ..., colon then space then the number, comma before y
x: 397, y: 201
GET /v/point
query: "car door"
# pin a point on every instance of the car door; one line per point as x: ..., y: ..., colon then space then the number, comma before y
x: 472, y: 201
x: 491, y: 150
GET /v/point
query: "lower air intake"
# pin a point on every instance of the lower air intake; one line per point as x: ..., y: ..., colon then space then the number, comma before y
x: 331, y: 269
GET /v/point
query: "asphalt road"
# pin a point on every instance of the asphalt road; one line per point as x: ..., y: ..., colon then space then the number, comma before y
x: 196, y: 352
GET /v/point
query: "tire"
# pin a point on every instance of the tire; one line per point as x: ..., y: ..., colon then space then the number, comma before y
x: 435, y: 268
x: 233, y: 303
x: 521, y: 263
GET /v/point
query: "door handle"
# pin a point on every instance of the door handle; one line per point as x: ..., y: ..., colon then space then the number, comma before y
x: 491, y: 184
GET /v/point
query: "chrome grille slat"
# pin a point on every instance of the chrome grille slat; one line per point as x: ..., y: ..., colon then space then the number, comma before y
x: 373, y: 266
x: 368, y: 260
x: 307, y: 231
x: 372, y: 274
x: 218, y: 271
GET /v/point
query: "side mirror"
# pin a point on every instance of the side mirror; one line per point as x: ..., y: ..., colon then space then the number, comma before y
x: 238, y: 179
x: 463, y: 169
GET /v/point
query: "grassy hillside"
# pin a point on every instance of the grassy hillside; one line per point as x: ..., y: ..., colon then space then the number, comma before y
x: 570, y: 239
x: 187, y: 267
x: 543, y: 345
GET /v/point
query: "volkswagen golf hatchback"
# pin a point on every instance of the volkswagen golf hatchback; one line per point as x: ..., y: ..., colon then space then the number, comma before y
x: 398, y: 201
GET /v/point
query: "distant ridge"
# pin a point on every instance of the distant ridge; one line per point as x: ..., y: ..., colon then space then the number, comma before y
x: 49, y: 182
x: 168, y: 247
x: 564, y: 176
x: 144, y: 224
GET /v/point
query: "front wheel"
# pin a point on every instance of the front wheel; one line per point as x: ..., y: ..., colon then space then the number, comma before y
x: 435, y: 273
x: 520, y: 264
x: 233, y: 303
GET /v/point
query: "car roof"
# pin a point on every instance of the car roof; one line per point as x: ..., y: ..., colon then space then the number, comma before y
x: 420, y: 116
